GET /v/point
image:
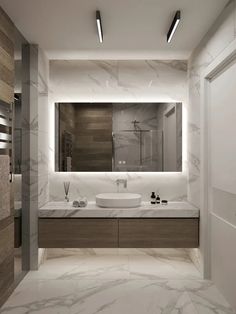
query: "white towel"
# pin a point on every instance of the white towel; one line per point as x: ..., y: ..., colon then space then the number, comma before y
x: 81, y: 202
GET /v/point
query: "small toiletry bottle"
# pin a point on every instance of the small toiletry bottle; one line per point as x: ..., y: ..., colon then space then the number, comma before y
x: 158, y: 200
x: 153, y: 198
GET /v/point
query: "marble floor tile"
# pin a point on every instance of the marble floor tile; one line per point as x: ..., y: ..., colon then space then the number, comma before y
x: 131, y: 296
x: 56, y: 253
x: 56, y: 268
x: 62, y: 252
x: 160, y: 267
x: 130, y: 281
x: 206, y: 298
x: 116, y: 297
x: 100, y: 267
x: 46, y: 297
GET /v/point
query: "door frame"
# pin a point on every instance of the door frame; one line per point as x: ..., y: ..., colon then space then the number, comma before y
x: 220, y: 63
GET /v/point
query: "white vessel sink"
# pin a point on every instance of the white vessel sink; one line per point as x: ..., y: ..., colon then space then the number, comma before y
x: 118, y: 200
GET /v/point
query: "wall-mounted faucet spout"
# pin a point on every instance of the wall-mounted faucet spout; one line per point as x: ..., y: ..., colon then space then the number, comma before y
x: 121, y: 181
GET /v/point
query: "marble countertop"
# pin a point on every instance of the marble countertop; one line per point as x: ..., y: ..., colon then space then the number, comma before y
x: 146, y: 210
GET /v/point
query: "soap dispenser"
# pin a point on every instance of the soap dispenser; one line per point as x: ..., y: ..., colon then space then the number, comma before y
x: 158, y: 199
x: 153, y: 198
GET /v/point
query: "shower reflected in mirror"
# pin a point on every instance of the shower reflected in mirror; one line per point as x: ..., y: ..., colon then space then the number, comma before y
x: 135, y: 137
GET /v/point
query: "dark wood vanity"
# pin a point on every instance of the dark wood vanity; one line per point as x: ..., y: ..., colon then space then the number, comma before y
x: 118, y: 232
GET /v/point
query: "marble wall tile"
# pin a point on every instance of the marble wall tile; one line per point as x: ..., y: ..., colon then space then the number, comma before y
x: 43, y: 128
x: 43, y: 189
x: 35, y: 146
x: 168, y: 185
x: 30, y: 156
x: 117, y: 81
x: 114, y: 81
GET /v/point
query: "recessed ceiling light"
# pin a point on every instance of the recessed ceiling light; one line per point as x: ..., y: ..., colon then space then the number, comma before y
x: 99, y: 26
x: 173, y: 26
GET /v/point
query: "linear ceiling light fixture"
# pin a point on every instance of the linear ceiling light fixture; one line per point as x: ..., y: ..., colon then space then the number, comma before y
x: 173, y: 26
x: 99, y: 26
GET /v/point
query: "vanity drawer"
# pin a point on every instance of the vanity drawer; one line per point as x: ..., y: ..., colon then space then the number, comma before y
x: 78, y: 233
x: 159, y: 233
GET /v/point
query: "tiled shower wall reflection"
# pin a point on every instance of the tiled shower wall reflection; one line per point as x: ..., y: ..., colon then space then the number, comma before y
x: 138, y: 136
x: 134, y: 136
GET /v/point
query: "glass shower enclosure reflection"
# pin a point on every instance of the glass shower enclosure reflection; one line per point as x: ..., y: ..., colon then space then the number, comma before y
x: 137, y: 150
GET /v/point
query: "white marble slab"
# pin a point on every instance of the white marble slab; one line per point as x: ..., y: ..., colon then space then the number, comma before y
x: 172, y: 210
x: 140, y: 281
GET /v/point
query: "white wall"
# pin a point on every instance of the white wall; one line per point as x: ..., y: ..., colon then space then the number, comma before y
x: 223, y: 231
x: 118, y: 81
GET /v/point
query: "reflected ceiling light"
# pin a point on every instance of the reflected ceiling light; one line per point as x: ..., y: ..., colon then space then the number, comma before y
x: 173, y: 26
x: 99, y: 26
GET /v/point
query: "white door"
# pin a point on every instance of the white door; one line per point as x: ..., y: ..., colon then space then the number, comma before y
x: 222, y: 180
x: 169, y: 138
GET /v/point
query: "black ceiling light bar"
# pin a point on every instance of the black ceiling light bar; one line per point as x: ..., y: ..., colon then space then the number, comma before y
x: 173, y: 26
x: 99, y: 26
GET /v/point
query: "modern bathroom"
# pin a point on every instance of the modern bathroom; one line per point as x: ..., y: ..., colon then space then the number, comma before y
x: 117, y: 164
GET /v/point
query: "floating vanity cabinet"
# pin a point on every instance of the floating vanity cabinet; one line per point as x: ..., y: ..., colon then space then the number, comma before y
x: 78, y: 233
x: 118, y: 232
x: 158, y: 233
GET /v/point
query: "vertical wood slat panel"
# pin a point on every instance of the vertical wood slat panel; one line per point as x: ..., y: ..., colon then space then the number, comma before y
x: 6, y: 96
x: 6, y: 58
x: 90, y: 129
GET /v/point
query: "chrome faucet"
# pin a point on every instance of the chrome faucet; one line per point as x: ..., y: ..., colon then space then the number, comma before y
x: 121, y: 181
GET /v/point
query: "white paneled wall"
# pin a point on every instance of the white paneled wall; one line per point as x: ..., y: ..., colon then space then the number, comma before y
x: 223, y: 232
x: 222, y: 179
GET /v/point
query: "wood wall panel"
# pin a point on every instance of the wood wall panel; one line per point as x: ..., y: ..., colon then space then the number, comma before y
x: 6, y: 25
x: 6, y: 256
x: 90, y: 126
x: 6, y: 242
x: 6, y: 218
x: 93, y: 126
x: 6, y: 275
x: 6, y: 58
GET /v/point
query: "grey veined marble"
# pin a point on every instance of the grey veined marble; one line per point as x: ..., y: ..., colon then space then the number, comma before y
x: 172, y: 210
x: 145, y: 281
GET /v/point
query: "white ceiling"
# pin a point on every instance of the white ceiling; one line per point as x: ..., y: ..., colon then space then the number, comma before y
x: 133, y: 29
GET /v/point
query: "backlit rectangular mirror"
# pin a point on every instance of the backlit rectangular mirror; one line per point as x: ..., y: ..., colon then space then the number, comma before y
x: 119, y: 137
